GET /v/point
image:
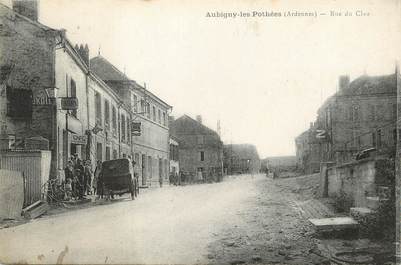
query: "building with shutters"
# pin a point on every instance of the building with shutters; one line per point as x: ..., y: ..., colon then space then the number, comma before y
x: 200, y: 149
x: 150, y: 148
x: 360, y: 116
x: 241, y: 159
x: 43, y: 76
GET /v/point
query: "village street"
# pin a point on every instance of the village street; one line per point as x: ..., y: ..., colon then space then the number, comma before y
x: 242, y: 219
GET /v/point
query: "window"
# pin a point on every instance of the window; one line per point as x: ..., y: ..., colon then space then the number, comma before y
x: 159, y: 116
x: 114, y: 120
x: 354, y: 113
x: 148, y: 110
x: 201, y: 139
x: 115, y: 154
x: 128, y: 129
x: 394, y: 136
x: 372, y: 112
x: 135, y: 103
x: 99, y: 152
x: 98, y: 108
x: 154, y: 113
x: 107, y: 153
x: 19, y: 103
x: 143, y: 106
x: 164, y: 118
x: 122, y: 127
x: 202, y: 156
x: 73, y: 94
x: 67, y: 85
x: 380, y: 112
x: 379, y: 138
x: 107, y: 114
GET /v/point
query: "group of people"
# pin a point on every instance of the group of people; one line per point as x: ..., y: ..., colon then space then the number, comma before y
x: 81, y: 180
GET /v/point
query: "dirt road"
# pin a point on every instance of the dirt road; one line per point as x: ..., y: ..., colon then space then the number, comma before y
x: 243, y: 219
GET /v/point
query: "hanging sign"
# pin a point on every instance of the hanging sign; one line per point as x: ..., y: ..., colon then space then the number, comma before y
x: 78, y: 139
x: 68, y: 103
x: 135, y: 128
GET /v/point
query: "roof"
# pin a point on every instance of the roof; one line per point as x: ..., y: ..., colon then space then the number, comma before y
x: 187, y: 125
x: 36, y: 23
x: 245, y: 151
x: 62, y: 33
x: 108, y: 72
x: 105, y: 70
x: 372, y: 85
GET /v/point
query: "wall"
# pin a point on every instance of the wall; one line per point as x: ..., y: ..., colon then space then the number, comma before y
x: 67, y: 68
x: 108, y: 137
x: 190, y: 155
x: 27, y: 50
x: 153, y: 143
x: 356, y: 180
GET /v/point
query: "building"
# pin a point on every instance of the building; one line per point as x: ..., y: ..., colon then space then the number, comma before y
x: 109, y: 122
x: 200, y: 148
x: 49, y: 92
x: 151, y: 148
x: 308, y: 151
x: 360, y: 116
x: 241, y: 159
x: 174, y: 156
x: 40, y: 68
x: 279, y: 164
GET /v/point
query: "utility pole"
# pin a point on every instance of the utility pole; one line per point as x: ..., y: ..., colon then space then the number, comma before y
x: 398, y: 164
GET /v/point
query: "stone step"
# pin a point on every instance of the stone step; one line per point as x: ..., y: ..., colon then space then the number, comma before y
x: 334, y: 224
x: 365, y: 218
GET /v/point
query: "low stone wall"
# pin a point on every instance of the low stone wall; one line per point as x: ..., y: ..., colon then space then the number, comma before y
x: 353, y: 182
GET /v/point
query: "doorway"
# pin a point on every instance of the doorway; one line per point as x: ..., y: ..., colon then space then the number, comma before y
x: 143, y: 163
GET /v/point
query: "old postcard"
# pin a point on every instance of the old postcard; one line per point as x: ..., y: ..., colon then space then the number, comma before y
x: 200, y: 132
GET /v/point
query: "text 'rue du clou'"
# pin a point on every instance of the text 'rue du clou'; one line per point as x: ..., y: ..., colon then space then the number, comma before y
x: 358, y: 13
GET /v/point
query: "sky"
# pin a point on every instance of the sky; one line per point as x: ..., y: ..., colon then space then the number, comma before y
x: 263, y: 77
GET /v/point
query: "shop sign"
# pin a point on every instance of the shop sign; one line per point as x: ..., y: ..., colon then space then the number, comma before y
x: 68, y: 103
x: 135, y: 128
x: 78, y: 139
x: 42, y: 99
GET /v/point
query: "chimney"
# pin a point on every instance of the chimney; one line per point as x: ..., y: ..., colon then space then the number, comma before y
x: 343, y: 82
x: 27, y: 8
x: 83, y: 52
x: 199, y: 118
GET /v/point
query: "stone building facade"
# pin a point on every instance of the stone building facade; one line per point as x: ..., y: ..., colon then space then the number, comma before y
x: 151, y: 148
x: 41, y: 72
x: 31, y: 55
x: 108, y: 113
x: 360, y: 116
x: 241, y: 159
x: 200, y: 148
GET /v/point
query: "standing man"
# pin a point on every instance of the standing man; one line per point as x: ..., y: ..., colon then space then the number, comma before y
x: 79, y: 172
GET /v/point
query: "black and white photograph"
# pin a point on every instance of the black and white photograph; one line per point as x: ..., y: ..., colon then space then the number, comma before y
x: 200, y: 132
